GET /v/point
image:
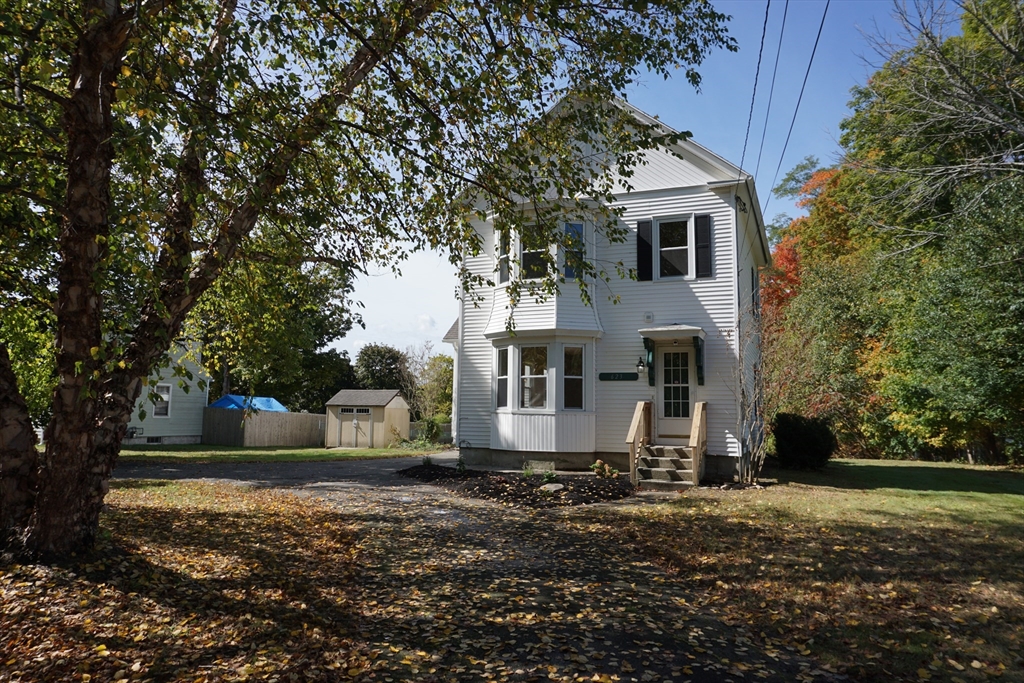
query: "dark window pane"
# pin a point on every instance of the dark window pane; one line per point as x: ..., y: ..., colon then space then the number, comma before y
x: 574, y: 393
x: 574, y: 249
x: 573, y: 361
x: 534, y: 266
x: 533, y: 360
x: 672, y: 234
x: 503, y: 363
x: 502, y: 392
x: 673, y: 262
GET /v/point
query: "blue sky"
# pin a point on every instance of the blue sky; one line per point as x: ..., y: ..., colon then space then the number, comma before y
x: 420, y: 306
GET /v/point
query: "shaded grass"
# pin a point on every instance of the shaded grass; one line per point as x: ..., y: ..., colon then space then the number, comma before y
x: 206, y: 454
x: 881, y: 570
x: 189, y: 581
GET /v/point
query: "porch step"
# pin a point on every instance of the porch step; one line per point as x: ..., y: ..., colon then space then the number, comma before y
x: 665, y: 468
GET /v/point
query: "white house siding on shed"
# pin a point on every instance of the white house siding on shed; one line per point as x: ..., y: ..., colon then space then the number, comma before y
x: 669, y: 187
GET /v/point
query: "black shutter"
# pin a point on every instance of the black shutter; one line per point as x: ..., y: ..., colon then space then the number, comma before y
x: 702, y: 237
x: 644, y: 253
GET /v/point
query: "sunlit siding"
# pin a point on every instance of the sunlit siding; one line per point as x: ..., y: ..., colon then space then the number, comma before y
x: 707, y: 303
x: 561, y: 432
x: 663, y: 169
x: 475, y: 353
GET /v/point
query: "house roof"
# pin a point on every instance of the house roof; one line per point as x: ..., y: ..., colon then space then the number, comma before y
x: 237, y: 402
x: 363, y: 397
x: 452, y: 335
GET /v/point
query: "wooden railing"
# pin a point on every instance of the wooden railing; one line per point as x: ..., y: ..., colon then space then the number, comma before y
x: 639, y: 434
x: 699, y: 439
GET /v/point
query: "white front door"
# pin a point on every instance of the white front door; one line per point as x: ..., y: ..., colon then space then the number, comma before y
x: 673, y: 386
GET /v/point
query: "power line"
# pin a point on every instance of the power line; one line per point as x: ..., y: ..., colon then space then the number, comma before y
x: 757, y: 75
x: 797, y: 109
x: 771, y: 91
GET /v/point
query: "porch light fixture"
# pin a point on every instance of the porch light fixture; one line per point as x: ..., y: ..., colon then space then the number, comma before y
x: 640, y: 365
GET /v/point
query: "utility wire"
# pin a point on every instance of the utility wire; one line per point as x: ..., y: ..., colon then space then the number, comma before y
x: 797, y: 109
x: 771, y: 91
x: 757, y: 75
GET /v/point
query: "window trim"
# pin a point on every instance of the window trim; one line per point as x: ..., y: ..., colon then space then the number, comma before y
x: 504, y: 260
x: 156, y: 390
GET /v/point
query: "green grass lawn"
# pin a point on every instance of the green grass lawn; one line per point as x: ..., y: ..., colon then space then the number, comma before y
x: 204, y: 453
x: 884, y: 570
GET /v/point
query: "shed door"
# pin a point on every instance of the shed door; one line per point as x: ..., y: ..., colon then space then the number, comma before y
x: 356, y: 427
x: 674, y: 400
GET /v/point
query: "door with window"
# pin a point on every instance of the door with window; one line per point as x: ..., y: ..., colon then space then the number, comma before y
x: 355, y: 428
x: 674, y: 372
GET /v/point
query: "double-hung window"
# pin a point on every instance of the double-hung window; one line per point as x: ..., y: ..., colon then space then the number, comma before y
x: 533, y: 373
x: 162, y: 406
x: 503, y: 245
x: 574, y: 250
x: 673, y: 248
x: 572, y: 378
x: 501, y: 400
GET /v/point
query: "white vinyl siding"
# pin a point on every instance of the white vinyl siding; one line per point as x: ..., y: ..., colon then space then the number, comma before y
x: 184, y: 411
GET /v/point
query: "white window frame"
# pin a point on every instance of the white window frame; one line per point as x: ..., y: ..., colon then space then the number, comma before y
x: 566, y: 376
x: 509, y: 398
x: 546, y: 374
x: 503, y: 258
x: 691, y: 247
x: 156, y: 390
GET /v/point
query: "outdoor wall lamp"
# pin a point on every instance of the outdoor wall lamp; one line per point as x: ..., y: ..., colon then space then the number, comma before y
x: 640, y: 365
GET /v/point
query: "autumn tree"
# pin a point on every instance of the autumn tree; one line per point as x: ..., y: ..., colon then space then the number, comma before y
x: 148, y: 145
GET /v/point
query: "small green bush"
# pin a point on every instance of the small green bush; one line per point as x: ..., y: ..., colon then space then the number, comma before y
x: 604, y: 471
x: 804, y: 443
x: 550, y: 477
x: 527, y: 470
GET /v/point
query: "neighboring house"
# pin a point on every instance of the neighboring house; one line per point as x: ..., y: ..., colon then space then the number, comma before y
x: 173, y: 408
x: 366, y: 418
x: 564, y: 389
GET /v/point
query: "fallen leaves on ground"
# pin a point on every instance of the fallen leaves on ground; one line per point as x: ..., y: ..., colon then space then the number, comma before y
x: 521, y: 491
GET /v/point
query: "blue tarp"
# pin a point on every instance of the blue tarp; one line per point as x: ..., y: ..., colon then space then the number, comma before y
x: 236, y: 402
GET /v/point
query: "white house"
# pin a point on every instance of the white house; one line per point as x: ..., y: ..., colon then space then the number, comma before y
x: 679, y: 347
x: 172, y: 411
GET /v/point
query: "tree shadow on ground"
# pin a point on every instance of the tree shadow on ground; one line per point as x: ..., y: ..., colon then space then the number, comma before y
x: 910, y: 476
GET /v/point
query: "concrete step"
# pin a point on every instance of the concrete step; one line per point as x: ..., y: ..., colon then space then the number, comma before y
x: 666, y: 463
x: 663, y: 474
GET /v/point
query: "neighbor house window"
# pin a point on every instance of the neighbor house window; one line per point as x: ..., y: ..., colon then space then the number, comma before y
x: 532, y: 262
x: 502, y: 397
x: 503, y: 244
x: 673, y: 253
x: 162, y: 406
x: 572, y: 378
x: 574, y: 247
x: 533, y: 372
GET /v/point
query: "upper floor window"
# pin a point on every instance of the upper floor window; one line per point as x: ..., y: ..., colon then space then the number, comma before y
x: 574, y: 249
x: 572, y: 378
x: 503, y: 248
x: 162, y: 406
x: 673, y: 249
x: 532, y: 262
x: 533, y: 372
x: 502, y: 388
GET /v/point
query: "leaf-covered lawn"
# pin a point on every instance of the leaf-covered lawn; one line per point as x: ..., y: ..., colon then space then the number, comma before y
x: 204, y: 453
x: 883, y: 570
x: 194, y: 582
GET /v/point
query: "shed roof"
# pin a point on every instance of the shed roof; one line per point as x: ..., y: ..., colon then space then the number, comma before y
x: 363, y: 397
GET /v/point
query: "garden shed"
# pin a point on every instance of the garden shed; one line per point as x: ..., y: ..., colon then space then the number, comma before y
x: 366, y: 418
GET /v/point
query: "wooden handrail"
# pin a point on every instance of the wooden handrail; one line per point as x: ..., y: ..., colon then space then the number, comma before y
x: 699, y: 439
x: 639, y: 435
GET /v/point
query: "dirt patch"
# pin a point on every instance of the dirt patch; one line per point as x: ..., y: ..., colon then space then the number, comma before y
x: 519, y: 491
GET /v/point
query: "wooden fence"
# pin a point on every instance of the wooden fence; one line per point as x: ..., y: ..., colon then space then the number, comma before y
x: 227, y: 427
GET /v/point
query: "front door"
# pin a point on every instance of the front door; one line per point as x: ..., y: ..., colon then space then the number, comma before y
x: 673, y: 395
